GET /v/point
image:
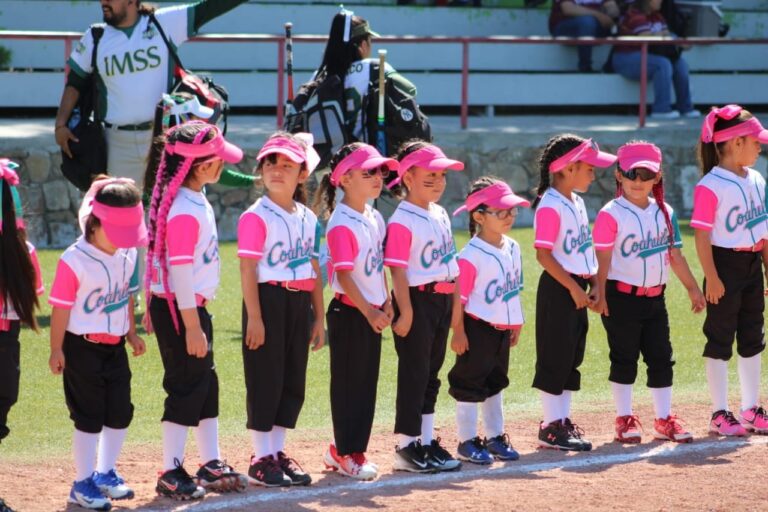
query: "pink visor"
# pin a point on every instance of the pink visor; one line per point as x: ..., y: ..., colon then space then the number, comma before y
x: 589, y: 152
x: 124, y: 225
x: 292, y: 150
x: 365, y: 157
x: 498, y: 195
x: 430, y: 157
x: 216, y: 147
x: 639, y: 154
x: 749, y: 127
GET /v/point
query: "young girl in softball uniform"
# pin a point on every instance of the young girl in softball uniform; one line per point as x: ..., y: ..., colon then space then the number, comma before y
x: 360, y: 309
x: 487, y: 319
x: 564, y: 248
x: 92, y: 319
x: 20, y: 284
x: 278, y: 243
x: 729, y: 216
x: 182, y: 276
x: 421, y: 255
x: 637, y: 240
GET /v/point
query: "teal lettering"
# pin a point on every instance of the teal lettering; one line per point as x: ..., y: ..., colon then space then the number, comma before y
x: 154, y: 58
x: 141, y: 61
x: 121, y: 66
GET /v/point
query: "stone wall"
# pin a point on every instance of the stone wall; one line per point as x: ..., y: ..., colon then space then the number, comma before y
x: 51, y: 203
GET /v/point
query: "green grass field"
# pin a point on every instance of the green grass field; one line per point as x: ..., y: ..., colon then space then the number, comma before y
x: 41, y: 427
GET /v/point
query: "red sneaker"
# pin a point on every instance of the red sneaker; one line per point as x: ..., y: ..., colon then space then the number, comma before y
x: 628, y: 429
x: 670, y: 429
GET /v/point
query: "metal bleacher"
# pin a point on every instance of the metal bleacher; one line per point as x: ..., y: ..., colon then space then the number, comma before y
x: 500, y: 74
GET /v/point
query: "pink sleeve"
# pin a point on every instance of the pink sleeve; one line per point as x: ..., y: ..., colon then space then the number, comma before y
x: 604, y: 233
x: 251, y: 235
x: 467, y: 275
x: 547, y: 227
x: 64, y: 289
x: 342, y: 246
x: 183, y: 232
x: 704, y: 208
x: 39, y: 286
x: 398, y: 249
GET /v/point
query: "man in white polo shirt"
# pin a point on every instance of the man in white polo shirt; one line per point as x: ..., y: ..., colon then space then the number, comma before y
x: 135, y: 69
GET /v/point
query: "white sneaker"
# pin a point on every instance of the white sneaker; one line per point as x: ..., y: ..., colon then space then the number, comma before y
x: 112, y: 485
x: 672, y: 114
x: 692, y: 114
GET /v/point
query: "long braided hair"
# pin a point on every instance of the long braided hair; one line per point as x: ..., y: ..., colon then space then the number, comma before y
x: 556, y: 147
x: 171, y: 175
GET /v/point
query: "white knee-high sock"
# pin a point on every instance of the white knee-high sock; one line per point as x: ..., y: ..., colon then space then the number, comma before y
x: 493, y: 416
x: 466, y: 420
x: 84, y: 447
x: 717, y: 379
x: 622, y: 398
x: 262, y: 443
x: 662, y: 401
x: 277, y: 439
x: 427, y: 428
x: 207, y: 437
x: 749, y: 378
x: 110, y: 443
x: 551, y: 407
x: 174, y: 440
x: 565, y: 403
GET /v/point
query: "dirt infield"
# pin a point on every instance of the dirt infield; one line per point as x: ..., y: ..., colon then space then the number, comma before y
x: 709, y: 474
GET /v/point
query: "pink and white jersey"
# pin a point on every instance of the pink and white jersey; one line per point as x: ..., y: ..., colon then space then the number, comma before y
x: 283, y: 243
x: 356, y: 243
x: 639, y: 239
x: 490, y: 281
x: 562, y: 226
x: 191, y: 238
x: 96, y: 288
x: 731, y: 208
x: 421, y: 241
x: 6, y: 306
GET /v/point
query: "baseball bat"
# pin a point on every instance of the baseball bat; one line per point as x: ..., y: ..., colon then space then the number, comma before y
x: 381, y: 136
x: 289, y: 59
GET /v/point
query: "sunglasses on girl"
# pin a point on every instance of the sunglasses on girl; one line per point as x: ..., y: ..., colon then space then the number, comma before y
x: 643, y: 173
x: 500, y: 214
x: 382, y: 171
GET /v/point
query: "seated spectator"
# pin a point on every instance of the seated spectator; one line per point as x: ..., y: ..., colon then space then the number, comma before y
x: 583, y: 18
x: 666, y: 66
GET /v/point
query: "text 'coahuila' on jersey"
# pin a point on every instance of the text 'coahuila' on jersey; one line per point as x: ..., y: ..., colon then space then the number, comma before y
x: 191, y: 238
x: 356, y: 243
x: 731, y: 208
x: 96, y: 287
x: 283, y: 243
x: 6, y: 306
x: 490, y: 281
x: 421, y: 241
x: 562, y: 226
x: 639, y: 239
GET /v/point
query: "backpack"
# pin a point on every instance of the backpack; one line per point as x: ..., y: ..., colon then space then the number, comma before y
x: 207, y: 91
x: 403, y: 119
x: 89, y: 153
x: 318, y: 108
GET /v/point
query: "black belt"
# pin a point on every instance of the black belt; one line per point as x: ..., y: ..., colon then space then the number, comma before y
x: 141, y: 127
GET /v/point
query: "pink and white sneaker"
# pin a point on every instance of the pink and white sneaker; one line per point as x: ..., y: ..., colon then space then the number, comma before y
x: 724, y: 423
x: 755, y: 420
x: 671, y: 429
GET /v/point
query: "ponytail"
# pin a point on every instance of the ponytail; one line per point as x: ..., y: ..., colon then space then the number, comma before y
x: 556, y: 147
x: 339, y: 55
x: 325, y: 195
x: 709, y: 153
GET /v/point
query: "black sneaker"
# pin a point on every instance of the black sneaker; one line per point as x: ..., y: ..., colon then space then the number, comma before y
x: 218, y: 476
x: 4, y: 506
x: 267, y: 472
x: 413, y: 459
x: 501, y: 448
x: 441, y: 458
x: 556, y: 436
x: 293, y: 470
x: 177, y: 484
x: 578, y: 434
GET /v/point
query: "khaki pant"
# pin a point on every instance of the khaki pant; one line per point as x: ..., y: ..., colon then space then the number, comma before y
x: 127, y: 152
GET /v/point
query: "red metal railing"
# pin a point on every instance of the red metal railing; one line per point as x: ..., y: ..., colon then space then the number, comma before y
x: 642, y: 42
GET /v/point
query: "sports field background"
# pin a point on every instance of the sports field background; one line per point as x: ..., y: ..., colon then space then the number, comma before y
x: 40, y: 426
